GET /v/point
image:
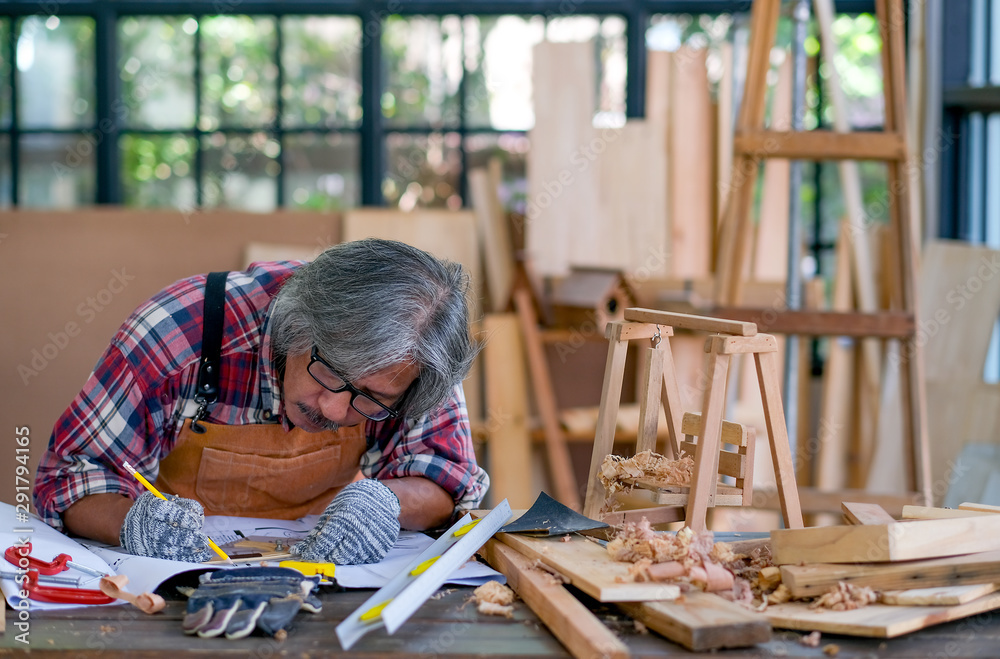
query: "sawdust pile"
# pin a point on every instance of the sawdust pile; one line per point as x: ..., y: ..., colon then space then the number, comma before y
x: 494, y: 599
x: 647, y: 466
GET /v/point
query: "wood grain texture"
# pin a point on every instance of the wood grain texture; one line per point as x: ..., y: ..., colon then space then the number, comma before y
x: 569, y: 620
x: 874, y: 620
x: 866, y: 513
x: 702, y: 621
x: 590, y: 568
x: 940, y: 596
x: 900, y: 541
x: 814, y: 580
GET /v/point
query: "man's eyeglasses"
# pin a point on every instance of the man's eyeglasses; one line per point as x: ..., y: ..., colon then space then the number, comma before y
x: 370, y: 408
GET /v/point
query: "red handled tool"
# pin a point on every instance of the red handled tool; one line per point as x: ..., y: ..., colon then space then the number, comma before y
x: 60, y: 563
x: 41, y: 593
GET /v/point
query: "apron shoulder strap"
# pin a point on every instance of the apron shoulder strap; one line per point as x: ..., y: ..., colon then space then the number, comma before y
x: 211, y: 345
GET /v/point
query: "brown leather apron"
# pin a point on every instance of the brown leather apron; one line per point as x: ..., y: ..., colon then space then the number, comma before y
x: 261, y: 470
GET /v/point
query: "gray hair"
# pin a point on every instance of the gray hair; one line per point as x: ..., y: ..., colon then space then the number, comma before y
x: 370, y: 304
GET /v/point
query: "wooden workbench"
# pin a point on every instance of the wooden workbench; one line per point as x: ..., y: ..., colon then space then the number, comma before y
x: 446, y: 627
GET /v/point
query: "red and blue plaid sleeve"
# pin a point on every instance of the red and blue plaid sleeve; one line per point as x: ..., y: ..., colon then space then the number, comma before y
x: 437, y: 446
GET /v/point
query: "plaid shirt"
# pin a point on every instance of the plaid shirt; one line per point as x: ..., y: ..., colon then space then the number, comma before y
x: 133, y: 405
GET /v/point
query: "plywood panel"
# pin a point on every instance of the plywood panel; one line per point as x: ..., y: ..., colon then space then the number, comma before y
x: 79, y: 273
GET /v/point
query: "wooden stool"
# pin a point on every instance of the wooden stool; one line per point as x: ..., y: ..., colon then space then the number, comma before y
x: 659, y: 384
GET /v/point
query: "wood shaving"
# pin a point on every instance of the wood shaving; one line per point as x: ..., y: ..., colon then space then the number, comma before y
x: 779, y: 596
x: 636, y: 541
x: 494, y: 609
x: 845, y: 597
x: 648, y: 466
x: 640, y: 627
x: 442, y: 593
x: 832, y: 649
x: 810, y: 640
x: 556, y: 576
x: 494, y: 592
x: 280, y: 635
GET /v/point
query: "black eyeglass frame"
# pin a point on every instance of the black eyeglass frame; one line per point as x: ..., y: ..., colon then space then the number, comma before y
x: 391, y: 413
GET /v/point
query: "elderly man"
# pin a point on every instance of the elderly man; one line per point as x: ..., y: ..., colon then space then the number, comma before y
x: 330, y: 387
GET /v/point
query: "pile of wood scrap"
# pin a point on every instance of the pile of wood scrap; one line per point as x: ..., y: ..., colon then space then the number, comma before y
x: 935, y: 565
x: 539, y: 568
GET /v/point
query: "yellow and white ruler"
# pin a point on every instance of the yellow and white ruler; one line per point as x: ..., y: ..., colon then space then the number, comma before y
x: 395, y: 602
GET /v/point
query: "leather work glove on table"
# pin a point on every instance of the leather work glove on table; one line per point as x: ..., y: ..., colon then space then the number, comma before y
x: 169, y: 528
x: 237, y: 601
x: 359, y: 526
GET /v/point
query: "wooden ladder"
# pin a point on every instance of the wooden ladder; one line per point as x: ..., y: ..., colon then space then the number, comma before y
x: 753, y: 143
x: 658, y: 384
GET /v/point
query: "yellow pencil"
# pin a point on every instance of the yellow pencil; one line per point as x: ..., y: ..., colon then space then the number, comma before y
x: 149, y: 486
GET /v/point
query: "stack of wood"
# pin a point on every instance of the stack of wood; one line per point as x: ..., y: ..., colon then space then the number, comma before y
x: 933, y: 566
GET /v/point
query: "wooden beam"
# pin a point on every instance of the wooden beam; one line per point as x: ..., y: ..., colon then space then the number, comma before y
x: 901, y: 541
x: 885, y: 324
x: 702, y: 621
x: 816, y: 501
x: 579, y: 630
x: 927, y: 512
x: 820, y: 145
x: 815, y: 579
x: 691, y: 322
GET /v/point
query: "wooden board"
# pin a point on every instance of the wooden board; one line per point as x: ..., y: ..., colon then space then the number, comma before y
x: 494, y: 235
x: 928, y: 512
x: 589, y: 568
x: 561, y: 176
x: 770, y: 256
x: 875, y: 620
x: 508, y: 447
x: 900, y: 541
x: 940, y: 596
x: 567, y: 618
x: 866, y: 513
x: 702, y: 621
x: 814, y: 580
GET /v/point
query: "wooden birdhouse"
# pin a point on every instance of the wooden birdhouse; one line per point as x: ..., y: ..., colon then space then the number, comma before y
x: 586, y: 295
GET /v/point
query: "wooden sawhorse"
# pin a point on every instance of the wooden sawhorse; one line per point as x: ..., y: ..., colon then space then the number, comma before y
x: 659, y: 384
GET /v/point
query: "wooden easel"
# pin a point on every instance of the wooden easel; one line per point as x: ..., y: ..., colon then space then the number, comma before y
x: 659, y: 384
x: 754, y: 143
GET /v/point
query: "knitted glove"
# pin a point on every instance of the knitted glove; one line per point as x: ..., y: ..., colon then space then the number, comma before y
x: 359, y: 526
x: 166, y: 529
x: 237, y: 601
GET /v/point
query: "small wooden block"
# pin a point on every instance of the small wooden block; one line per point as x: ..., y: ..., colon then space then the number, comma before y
x: 702, y: 621
x: 866, y: 513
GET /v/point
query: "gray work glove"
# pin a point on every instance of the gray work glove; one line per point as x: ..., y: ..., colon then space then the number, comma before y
x: 359, y: 526
x: 166, y: 529
x: 237, y: 601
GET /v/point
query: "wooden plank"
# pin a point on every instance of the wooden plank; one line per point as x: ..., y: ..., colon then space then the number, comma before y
x: 777, y: 434
x: 821, y: 145
x: 590, y: 568
x: 560, y: 463
x: 887, y: 324
x: 494, y: 236
x: 770, y: 256
x: 732, y: 433
x: 874, y: 620
x: 866, y: 513
x: 691, y: 322
x: 742, y: 345
x: 940, y: 596
x: 625, y: 331
x: 979, y: 507
x: 649, y: 397
x: 508, y: 446
x: 816, y: 501
x: 562, y: 196
x: 815, y: 579
x: 928, y: 512
x: 702, y: 621
x: 607, y: 415
x: 567, y: 618
x: 835, y: 399
x: 690, y: 190
x: 653, y: 515
x: 901, y: 541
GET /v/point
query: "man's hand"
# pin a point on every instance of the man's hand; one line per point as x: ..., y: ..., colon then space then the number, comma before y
x: 359, y: 526
x: 166, y: 529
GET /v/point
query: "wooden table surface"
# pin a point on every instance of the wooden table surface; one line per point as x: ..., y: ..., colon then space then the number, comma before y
x: 447, y: 626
